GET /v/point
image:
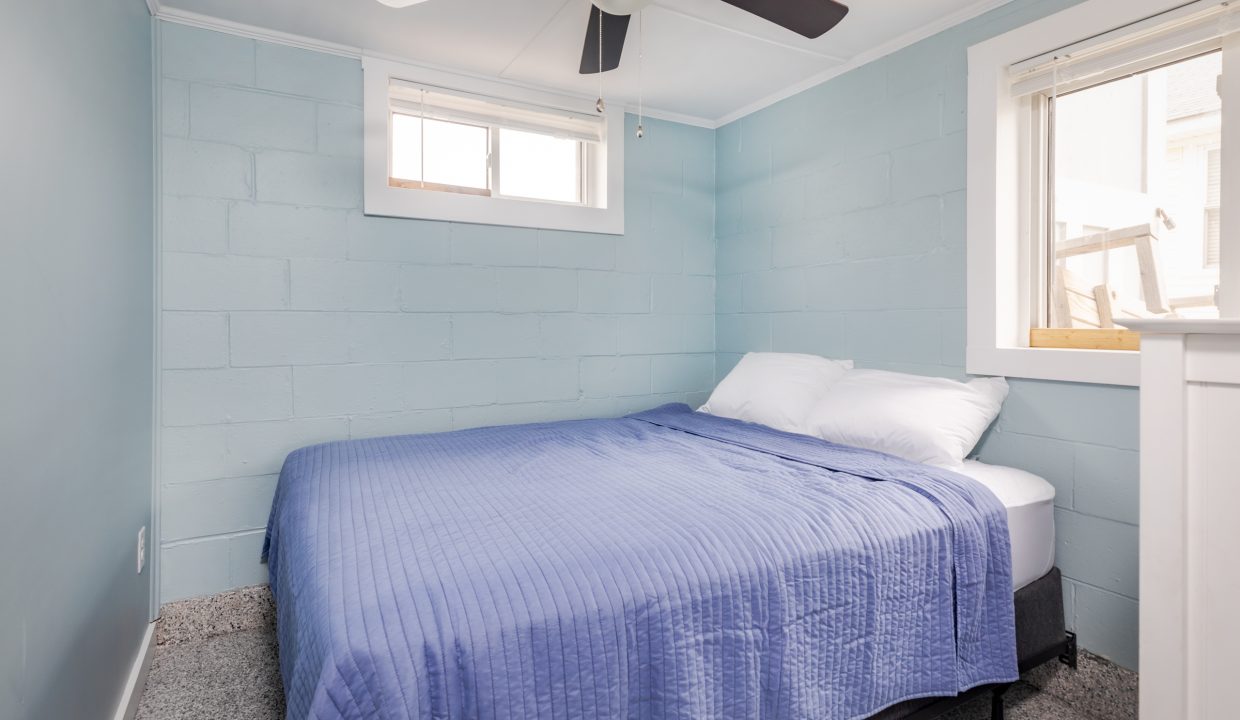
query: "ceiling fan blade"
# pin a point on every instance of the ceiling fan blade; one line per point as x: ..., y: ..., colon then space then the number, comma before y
x: 615, y: 27
x: 810, y: 18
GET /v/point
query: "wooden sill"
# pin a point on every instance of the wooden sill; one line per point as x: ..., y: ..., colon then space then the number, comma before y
x: 419, y: 185
x: 1085, y: 338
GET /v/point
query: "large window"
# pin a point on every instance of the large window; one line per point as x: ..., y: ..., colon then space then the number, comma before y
x: 1131, y: 194
x: 445, y: 147
x: 1103, y: 182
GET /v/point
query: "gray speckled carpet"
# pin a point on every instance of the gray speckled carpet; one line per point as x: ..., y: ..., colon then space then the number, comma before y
x: 234, y: 676
x: 227, y: 677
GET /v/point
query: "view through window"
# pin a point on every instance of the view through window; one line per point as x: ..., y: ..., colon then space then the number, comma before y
x: 455, y: 153
x: 1134, y: 179
x: 434, y: 154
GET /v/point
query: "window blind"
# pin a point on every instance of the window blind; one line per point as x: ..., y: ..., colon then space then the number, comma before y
x: 1185, y: 31
x: 1214, y: 181
x: 441, y: 104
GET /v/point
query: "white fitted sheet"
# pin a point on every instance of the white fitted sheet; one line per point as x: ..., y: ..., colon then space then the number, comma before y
x: 1030, y: 503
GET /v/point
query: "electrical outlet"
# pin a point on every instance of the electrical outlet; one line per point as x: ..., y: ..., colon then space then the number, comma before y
x: 141, y: 548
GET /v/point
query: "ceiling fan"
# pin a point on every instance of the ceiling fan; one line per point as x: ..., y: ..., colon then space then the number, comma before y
x: 810, y: 18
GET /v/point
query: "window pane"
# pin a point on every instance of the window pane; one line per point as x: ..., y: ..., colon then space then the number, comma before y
x: 456, y: 154
x: 1135, y: 197
x: 406, y: 147
x: 539, y: 166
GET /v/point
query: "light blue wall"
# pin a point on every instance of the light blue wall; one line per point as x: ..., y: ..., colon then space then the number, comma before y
x: 76, y: 308
x: 290, y: 318
x: 840, y: 231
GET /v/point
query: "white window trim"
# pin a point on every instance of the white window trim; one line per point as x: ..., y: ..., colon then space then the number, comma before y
x: 1000, y: 245
x: 606, y: 216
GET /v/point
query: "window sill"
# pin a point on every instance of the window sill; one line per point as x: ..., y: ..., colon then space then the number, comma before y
x: 437, y: 187
x: 485, y: 210
x: 1103, y: 367
x: 1085, y: 339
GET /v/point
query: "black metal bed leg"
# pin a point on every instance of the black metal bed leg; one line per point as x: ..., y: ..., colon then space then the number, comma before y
x: 1069, y: 654
x: 996, y: 702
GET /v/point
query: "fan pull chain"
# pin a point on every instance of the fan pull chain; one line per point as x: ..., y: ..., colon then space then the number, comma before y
x: 422, y: 138
x: 641, y: 52
x: 600, y: 105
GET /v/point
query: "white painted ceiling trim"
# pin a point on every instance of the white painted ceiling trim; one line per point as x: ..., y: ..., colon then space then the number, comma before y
x: 206, y: 22
x: 969, y: 12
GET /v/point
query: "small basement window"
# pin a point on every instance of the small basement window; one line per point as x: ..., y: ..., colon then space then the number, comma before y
x: 455, y: 154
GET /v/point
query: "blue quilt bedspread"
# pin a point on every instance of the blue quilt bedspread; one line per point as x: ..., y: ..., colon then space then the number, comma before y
x: 665, y: 565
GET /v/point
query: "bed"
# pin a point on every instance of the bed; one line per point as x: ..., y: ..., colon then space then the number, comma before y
x: 1038, y: 598
x: 666, y: 564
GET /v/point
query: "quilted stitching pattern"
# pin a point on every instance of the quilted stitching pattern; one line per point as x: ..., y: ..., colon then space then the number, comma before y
x: 665, y: 565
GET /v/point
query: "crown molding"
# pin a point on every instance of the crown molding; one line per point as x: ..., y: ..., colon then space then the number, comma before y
x: 206, y: 22
x: 899, y: 43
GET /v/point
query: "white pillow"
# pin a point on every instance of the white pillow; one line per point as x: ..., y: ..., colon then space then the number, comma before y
x: 924, y: 419
x: 775, y: 389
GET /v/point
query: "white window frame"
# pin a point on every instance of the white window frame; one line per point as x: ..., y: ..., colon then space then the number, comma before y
x: 1003, y: 250
x: 1216, y: 207
x: 602, y: 212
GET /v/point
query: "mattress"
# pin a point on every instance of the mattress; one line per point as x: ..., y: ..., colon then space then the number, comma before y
x: 1030, y: 503
x: 665, y: 565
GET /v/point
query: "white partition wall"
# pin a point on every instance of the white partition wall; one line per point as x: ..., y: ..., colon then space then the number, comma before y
x: 1190, y: 517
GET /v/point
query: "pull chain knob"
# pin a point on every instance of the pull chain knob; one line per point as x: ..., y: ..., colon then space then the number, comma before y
x: 600, y: 106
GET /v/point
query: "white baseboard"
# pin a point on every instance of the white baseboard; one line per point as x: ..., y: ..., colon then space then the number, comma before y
x: 127, y: 708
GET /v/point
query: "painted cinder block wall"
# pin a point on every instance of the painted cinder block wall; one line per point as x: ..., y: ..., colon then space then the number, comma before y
x: 289, y: 318
x: 840, y: 231
x: 77, y: 283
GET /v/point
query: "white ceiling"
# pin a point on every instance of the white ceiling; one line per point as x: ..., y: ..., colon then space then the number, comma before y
x: 704, y: 60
